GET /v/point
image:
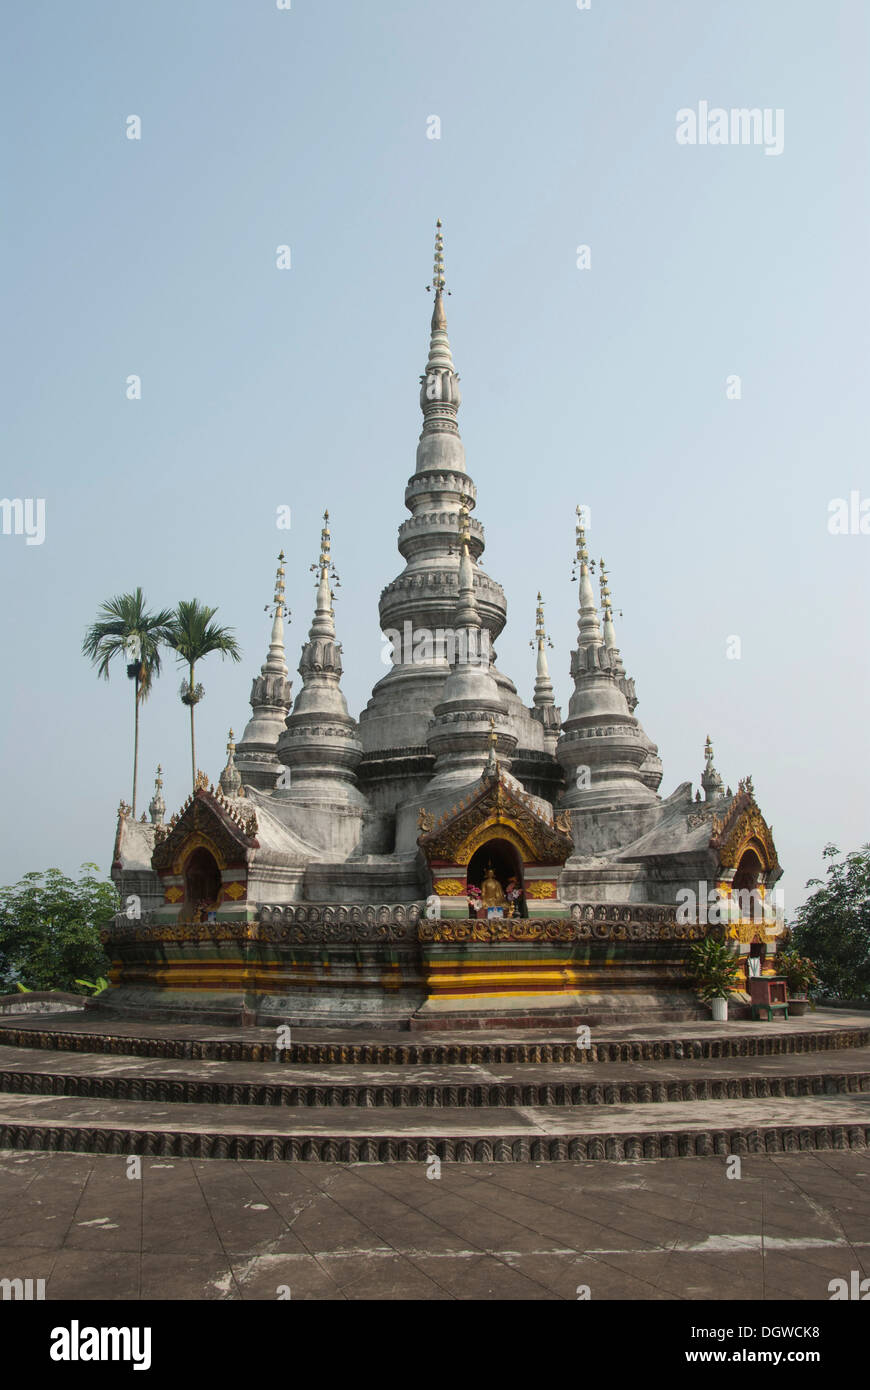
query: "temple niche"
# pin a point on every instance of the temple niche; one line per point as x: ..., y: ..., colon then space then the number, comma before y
x: 452, y: 849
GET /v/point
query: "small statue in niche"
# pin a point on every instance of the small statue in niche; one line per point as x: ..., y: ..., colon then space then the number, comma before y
x: 491, y: 891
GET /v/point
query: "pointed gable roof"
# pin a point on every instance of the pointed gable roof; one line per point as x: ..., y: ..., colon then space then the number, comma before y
x: 207, y: 817
x: 497, y: 808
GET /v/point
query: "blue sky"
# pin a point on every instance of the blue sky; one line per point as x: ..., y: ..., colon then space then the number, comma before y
x: 264, y: 387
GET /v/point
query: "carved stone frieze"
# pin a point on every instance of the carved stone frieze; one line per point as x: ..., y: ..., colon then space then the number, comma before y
x: 564, y: 930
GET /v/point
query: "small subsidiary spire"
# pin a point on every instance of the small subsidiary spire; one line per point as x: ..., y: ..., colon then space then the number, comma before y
x: 320, y: 743
x: 710, y: 780
x: 270, y: 701
x: 543, y: 685
x: 157, y: 806
x: 587, y: 622
x: 609, y: 631
x: 230, y: 778
x: 324, y: 613
x: 626, y: 683
x: 276, y: 661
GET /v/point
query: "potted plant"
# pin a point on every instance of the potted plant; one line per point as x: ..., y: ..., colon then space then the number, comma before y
x: 714, y: 969
x: 800, y: 976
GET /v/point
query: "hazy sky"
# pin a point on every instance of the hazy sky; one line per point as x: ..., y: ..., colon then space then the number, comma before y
x: 264, y: 387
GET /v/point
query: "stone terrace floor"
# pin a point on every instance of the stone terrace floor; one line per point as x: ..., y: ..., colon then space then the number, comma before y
x: 668, y: 1229
x: 661, y: 1229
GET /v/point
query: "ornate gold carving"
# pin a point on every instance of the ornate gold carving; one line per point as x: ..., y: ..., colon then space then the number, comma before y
x: 174, y: 893
x: 748, y: 830
x: 201, y: 782
x: 747, y: 932
x: 497, y: 811
x: 541, y: 888
x: 563, y: 822
x: 449, y: 887
x: 206, y: 820
x: 234, y: 890
x: 425, y: 820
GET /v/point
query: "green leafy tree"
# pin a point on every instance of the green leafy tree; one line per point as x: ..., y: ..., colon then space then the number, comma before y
x: 125, y: 628
x: 194, y: 636
x: 50, y: 929
x: 833, y: 926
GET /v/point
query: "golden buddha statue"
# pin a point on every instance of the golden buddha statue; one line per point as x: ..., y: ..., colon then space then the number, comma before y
x: 491, y: 891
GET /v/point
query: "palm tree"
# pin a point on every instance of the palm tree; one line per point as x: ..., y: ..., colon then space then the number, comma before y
x: 193, y: 635
x: 124, y: 625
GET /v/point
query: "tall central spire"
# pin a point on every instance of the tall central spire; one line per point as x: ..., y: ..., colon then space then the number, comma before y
x: 426, y: 599
x: 439, y: 385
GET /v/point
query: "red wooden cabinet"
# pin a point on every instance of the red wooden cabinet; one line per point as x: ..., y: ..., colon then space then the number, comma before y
x: 768, y: 994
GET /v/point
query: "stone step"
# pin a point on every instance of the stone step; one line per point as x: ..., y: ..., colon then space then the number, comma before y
x: 351, y: 1135
x: 74, y: 1033
x: 33, y: 1072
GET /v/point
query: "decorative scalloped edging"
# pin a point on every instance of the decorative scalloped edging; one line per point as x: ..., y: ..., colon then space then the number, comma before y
x: 429, y: 1095
x: 497, y: 1149
x: 440, y: 1053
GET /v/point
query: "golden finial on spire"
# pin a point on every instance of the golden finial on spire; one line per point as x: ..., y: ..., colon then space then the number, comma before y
x: 324, y: 566
x: 606, y: 600
x: 541, y: 637
x: 277, y: 604
x: 279, y: 582
x: 582, y: 553
x: 582, y: 561
x: 605, y: 588
x: 438, y: 281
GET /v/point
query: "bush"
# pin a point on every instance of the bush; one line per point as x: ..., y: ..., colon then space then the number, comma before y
x: 714, y: 969
x: 799, y: 972
x: 50, y: 930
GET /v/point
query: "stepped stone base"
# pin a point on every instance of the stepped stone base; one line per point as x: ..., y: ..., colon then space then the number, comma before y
x: 412, y: 1137
x: 79, y: 1083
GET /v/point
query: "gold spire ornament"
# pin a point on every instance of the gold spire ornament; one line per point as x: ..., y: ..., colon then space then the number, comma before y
x: 438, y: 281
x: 541, y: 638
x: 324, y: 568
x: 606, y: 602
x: 582, y: 563
x: 277, y: 604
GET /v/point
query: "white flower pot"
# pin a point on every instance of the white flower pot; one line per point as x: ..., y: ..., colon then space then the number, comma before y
x: 720, y: 1010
